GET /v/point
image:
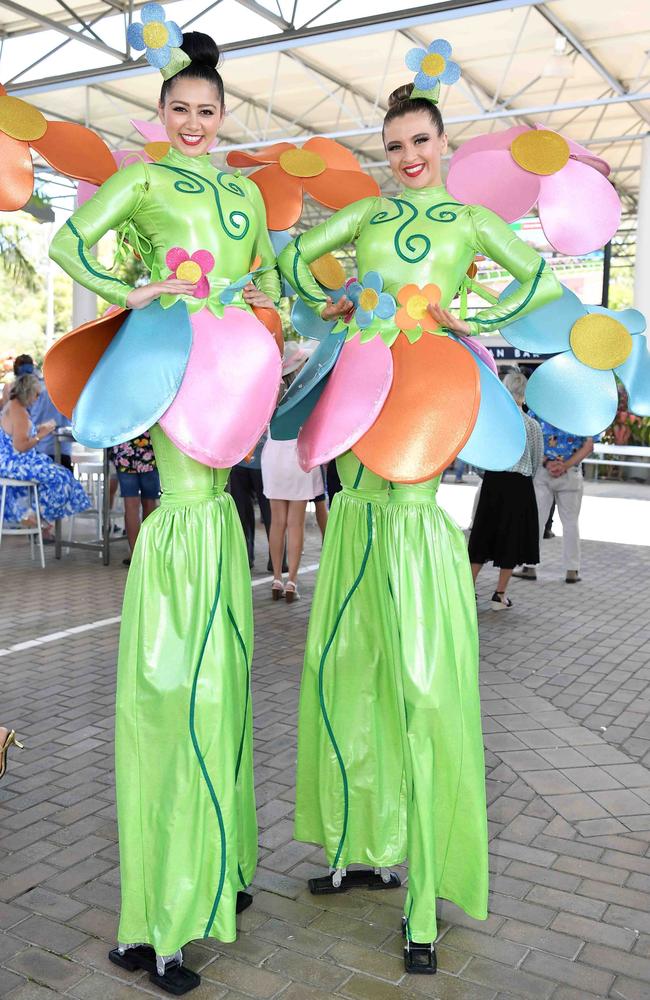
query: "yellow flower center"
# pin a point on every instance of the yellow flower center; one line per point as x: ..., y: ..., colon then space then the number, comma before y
x: 369, y: 299
x: 328, y: 271
x: 600, y: 341
x: 155, y: 35
x: 417, y: 306
x: 433, y: 64
x: 540, y: 152
x: 302, y: 163
x: 20, y: 120
x: 189, y: 270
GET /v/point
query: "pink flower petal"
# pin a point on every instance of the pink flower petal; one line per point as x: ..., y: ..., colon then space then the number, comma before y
x: 204, y: 259
x: 152, y: 131
x: 352, y: 399
x: 493, y: 179
x: 579, y: 210
x: 581, y: 153
x: 481, y: 351
x: 175, y: 257
x: 493, y: 140
x: 202, y: 289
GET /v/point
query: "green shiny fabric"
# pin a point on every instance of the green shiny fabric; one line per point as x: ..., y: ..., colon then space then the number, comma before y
x: 390, y: 748
x: 181, y: 201
x: 184, y: 770
x: 424, y: 237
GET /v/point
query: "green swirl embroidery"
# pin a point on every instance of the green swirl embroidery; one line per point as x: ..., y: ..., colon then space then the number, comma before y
x: 82, y: 256
x: 297, y: 283
x: 498, y: 320
x: 444, y: 216
x: 195, y: 184
x: 408, y: 250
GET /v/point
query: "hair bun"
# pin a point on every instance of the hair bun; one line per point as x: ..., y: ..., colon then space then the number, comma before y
x: 201, y: 48
x: 402, y: 93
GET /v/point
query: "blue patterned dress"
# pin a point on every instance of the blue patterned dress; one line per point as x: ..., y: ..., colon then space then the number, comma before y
x: 59, y: 492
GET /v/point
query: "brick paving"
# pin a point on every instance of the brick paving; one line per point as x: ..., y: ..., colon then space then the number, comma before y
x: 565, y: 680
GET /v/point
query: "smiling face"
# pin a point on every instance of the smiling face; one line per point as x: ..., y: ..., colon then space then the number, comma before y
x: 192, y: 115
x: 414, y: 150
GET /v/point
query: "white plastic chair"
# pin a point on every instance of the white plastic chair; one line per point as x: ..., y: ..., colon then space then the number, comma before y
x: 32, y: 532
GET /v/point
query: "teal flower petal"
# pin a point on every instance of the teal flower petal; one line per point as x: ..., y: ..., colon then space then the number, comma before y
x: 634, y: 373
x: 441, y: 46
x: 363, y: 318
x: 373, y: 280
x: 413, y: 58
x: 632, y: 319
x: 386, y: 306
x: 545, y: 330
x: 497, y: 408
x: 571, y: 396
x: 308, y: 323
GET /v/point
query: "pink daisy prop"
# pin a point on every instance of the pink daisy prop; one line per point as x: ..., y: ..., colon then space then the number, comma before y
x: 511, y: 171
x: 191, y: 268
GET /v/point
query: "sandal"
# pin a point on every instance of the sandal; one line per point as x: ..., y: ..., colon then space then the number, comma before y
x: 499, y: 601
x: 7, y: 739
x: 291, y: 592
x: 277, y: 590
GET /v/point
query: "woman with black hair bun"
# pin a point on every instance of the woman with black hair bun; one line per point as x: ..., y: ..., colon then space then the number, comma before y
x: 194, y: 364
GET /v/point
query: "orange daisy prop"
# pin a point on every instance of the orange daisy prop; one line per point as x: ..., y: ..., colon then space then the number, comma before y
x: 322, y: 168
x: 71, y: 149
x: 414, y: 314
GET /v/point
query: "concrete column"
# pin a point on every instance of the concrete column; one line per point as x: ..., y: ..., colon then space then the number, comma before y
x: 84, y: 305
x: 642, y: 266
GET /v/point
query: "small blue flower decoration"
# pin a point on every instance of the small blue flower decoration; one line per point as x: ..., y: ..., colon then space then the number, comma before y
x: 433, y: 65
x: 575, y: 390
x: 369, y: 299
x: 231, y: 291
x: 156, y: 36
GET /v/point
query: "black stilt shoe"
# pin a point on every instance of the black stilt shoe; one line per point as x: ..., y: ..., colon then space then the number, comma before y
x: 419, y: 959
x: 341, y: 880
x: 177, y: 979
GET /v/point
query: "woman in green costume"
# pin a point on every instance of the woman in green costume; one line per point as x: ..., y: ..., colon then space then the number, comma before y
x: 205, y: 376
x: 390, y: 750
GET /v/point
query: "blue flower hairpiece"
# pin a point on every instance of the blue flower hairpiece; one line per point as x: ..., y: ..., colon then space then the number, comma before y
x: 433, y: 67
x: 160, y: 39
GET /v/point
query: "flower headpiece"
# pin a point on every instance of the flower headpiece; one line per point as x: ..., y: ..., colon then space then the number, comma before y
x: 160, y: 39
x: 433, y: 67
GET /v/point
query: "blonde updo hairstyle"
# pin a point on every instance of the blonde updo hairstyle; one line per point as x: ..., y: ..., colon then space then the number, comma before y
x: 401, y: 103
x: 25, y: 389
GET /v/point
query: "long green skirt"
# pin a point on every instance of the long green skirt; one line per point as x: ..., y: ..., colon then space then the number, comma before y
x: 184, y: 772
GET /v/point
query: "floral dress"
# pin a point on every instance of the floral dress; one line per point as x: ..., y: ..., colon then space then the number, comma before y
x: 59, y: 492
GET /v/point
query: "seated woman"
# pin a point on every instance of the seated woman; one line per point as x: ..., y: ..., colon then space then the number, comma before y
x: 59, y: 493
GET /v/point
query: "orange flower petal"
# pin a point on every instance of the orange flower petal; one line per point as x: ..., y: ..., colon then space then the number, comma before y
x: 77, y: 152
x: 282, y: 196
x: 404, y: 321
x: 338, y: 188
x: 271, y: 320
x: 16, y: 173
x: 433, y: 294
x: 334, y: 154
x: 429, y: 413
x: 3, y: 92
x: 271, y: 154
x: 406, y: 292
x: 70, y: 362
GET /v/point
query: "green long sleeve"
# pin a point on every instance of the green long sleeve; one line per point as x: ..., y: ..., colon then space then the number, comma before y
x: 269, y: 281
x: 537, y: 283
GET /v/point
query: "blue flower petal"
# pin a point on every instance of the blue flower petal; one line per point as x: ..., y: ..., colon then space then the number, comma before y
x: 308, y: 324
x: 545, y: 330
x: 152, y: 12
x: 305, y: 391
x: 441, y: 46
x: 279, y: 240
x: 571, y: 396
x: 135, y: 36
x: 354, y: 291
x: 634, y: 373
x: 364, y: 318
x: 450, y: 74
x: 373, y: 280
x: 159, y: 57
x: 336, y: 293
x: 425, y: 82
x: 632, y: 319
x: 413, y: 58
x: 497, y: 408
x: 386, y: 307
x: 175, y: 34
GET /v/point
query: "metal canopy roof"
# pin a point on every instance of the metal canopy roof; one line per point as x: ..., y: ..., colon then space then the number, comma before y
x: 294, y: 68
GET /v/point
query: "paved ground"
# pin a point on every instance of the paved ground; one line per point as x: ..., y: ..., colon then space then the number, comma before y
x: 565, y: 680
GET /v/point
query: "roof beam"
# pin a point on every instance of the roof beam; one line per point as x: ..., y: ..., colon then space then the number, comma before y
x: 268, y: 15
x: 47, y: 22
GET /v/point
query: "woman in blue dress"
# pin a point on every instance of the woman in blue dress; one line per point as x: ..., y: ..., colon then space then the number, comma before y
x: 59, y: 492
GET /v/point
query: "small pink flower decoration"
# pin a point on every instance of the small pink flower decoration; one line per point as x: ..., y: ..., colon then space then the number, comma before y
x: 510, y: 171
x: 192, y: 268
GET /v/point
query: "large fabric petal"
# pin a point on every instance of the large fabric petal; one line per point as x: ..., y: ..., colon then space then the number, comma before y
x: 493, y: 179
x: 118, y: 401
x: 475, y: 345
x: 429, y: 413
x: 270, y: 154
x: 76, y: 151
x: 352, y: 399
x: 335, y: 155
x: 490, y: 141
x: 305, y: 391
x: 338, y: 188
x: 586, y: 155
x: 579, y: 210
x: 485, y: 449
x: 545, y: 330
x: 635, y: 376
x: 72, y: 359
x: 308, y: 323
x: 17, y: 173
x: 631, y: 318
x: 571, y: 396
x: 282, y: 196
x: 229, y: 389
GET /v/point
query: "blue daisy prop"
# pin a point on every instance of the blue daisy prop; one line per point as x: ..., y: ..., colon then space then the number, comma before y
x: 433, y: 65
x: 370, y: 300
x: 160, y: 40
x: 576, y: 388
